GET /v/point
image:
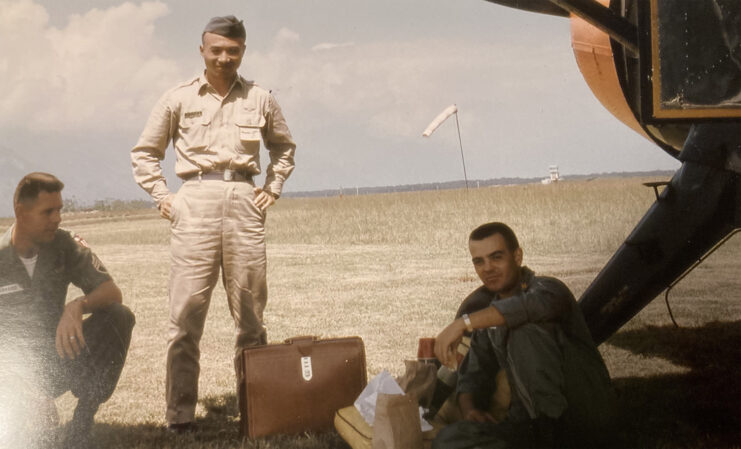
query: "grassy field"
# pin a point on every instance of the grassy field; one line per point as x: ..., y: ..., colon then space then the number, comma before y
x: 392, y: 268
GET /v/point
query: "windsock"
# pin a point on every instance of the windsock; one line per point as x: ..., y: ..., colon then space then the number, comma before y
x: 450, y: 110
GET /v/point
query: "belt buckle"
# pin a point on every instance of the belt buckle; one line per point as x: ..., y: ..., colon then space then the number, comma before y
x: 229, y: 174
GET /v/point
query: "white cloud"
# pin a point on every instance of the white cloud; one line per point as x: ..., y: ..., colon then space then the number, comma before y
x: 324, y: 46
x: 101, y: 70
x: 286, y: 37
x: 395, y: 88
x: 19, y: 16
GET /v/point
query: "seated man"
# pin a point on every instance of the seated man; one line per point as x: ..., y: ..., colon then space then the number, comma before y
x: 534, y: 330
x: 46, y: 348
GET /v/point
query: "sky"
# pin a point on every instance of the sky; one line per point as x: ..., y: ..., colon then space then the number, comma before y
x: 358, y: 82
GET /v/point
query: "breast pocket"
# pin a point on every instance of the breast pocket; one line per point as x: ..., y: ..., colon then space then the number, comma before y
x: 250, y: 130
x: 194, y: 133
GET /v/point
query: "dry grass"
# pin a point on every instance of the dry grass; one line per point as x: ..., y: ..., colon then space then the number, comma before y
x: 392, y: 268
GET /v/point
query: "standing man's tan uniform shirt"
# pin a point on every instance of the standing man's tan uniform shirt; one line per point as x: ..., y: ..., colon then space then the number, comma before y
x: 212, y: 134
x: 214, y: 222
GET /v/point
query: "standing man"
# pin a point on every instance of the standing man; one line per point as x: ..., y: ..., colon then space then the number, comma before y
x: 215, y: 122
x: 46, y: 348
x: 533, y: 329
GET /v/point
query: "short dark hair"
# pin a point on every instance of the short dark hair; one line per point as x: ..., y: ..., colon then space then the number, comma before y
x: 489, y: 229
x: 33, y: 183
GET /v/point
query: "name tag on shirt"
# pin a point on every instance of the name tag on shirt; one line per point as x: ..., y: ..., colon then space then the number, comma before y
x: 10, y: 288
x: 13, y: 295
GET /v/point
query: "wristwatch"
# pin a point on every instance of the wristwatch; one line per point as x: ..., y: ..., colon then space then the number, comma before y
x: 467, y: 321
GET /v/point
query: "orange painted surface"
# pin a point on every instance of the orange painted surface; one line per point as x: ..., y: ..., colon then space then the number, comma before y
x: 597, y: 65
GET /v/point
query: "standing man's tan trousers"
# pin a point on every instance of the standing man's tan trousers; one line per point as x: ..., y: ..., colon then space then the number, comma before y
x: 215, y: 224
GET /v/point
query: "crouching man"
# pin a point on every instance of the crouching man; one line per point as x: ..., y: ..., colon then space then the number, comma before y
x: 532, y: 329
x: 46, y: 347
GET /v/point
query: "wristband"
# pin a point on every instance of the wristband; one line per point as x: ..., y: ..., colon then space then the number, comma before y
x: 467, y: 321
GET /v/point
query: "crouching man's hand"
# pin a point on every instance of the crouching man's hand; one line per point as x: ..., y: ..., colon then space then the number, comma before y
x: 69, y: 339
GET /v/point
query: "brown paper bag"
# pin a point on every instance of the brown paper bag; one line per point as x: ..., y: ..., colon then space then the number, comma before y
x: 419, y: 380
x: 396, y: 425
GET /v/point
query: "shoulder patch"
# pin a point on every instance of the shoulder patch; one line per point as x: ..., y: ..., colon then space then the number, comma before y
x: 80, y: 241
x: 98, y: 265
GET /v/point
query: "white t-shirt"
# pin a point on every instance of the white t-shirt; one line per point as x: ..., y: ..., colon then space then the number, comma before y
x: 30, y: 263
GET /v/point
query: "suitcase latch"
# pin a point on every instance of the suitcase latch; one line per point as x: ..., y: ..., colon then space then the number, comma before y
x: 306, y: 368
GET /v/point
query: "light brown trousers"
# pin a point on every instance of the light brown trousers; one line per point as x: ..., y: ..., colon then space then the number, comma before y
x: 215, y: 225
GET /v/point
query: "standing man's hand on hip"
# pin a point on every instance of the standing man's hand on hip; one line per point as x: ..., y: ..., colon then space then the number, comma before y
x: 263, y: 199
x: 165, y: 206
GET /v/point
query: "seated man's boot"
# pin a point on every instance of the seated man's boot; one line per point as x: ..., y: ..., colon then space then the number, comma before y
x: 78, y: 429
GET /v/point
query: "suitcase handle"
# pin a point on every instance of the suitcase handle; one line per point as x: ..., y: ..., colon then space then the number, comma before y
x: 303, y: 343
x: 301, y: 339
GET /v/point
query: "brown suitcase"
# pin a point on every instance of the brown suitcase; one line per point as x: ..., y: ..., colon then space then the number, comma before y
x: 297, y: 386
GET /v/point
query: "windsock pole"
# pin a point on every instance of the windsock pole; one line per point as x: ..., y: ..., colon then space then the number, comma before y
x: 460, y: 144
x: 437, y: 121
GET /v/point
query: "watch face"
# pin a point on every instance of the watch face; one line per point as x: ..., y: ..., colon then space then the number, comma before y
x: 467, y: 321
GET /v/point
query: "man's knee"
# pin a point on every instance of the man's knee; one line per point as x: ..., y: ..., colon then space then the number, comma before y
x: 120, y: 317
x: 115, y: 320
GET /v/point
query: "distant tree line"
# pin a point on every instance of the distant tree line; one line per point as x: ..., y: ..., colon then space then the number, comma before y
x: 460, y: 184
x: 108, y: 204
